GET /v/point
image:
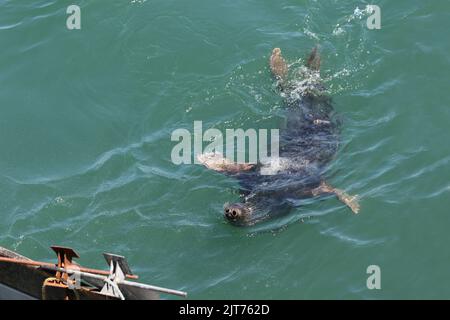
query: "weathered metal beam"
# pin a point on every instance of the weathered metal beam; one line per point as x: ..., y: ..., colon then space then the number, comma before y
x: 47, y: 264
x: 120, y: 283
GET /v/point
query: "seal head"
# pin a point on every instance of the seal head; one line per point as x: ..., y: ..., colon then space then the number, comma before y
x: 237, y: 213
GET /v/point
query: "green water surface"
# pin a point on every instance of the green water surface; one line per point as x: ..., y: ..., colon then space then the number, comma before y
x: 86, y: 117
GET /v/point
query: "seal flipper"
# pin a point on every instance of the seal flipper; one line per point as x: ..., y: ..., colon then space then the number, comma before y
x: 278, y: 65
x: 350, y: 201
x: 217, y: 162
x: 313, y: 61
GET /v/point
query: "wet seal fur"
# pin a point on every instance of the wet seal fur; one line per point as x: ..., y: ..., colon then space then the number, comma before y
x: 308, y: 142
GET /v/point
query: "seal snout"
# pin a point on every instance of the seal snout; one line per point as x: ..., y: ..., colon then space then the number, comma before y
x: 233, y: 211
x: 230, y: 212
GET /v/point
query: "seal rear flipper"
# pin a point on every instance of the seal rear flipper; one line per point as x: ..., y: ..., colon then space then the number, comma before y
x: 313, y: 61
x: 278, y: 65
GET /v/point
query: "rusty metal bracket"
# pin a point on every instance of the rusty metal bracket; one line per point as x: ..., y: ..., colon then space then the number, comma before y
x: 65, y: 256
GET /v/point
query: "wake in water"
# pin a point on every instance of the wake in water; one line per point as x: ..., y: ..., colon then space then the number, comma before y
x: 348, y: 40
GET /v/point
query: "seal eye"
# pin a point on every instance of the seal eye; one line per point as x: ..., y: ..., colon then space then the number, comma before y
x: 227, y: 210
x: 234, y: 213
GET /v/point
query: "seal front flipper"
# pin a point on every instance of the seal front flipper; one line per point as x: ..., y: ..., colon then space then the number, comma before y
x: 217, y: 162
x: 349, y: 200
x: 313, y: 61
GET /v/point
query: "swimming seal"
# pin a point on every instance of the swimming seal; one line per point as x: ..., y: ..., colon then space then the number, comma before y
x: 308, y: 143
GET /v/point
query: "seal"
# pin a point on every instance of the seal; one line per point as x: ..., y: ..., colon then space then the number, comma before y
x: 308, y: 142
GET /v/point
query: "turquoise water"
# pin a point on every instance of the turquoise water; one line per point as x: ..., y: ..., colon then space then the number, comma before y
x: 86, y: 118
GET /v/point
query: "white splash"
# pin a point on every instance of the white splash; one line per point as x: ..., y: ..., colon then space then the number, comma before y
x: 358, y: 14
